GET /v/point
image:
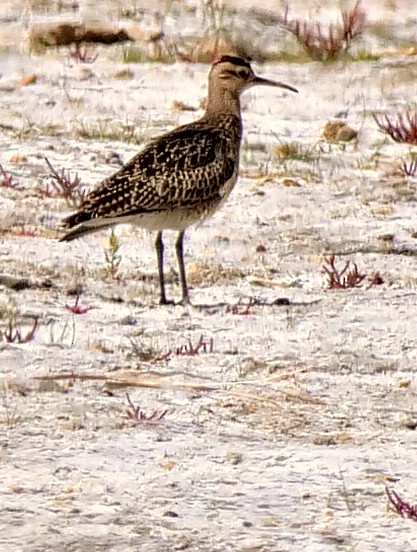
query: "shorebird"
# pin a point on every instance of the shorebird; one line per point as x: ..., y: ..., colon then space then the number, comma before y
x: 181, y: 177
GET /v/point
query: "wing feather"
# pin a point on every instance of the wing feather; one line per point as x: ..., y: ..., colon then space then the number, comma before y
x: 184, y: 167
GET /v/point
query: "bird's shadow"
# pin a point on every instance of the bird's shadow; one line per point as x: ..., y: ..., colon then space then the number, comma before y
x: 245, y: 304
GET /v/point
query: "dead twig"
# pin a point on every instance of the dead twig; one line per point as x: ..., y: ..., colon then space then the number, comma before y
x: 131, y: 379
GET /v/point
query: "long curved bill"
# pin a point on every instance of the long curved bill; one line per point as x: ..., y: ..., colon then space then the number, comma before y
x: 266, y: 82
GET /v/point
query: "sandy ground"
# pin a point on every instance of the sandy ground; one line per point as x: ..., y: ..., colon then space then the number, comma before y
x: 285, y: 434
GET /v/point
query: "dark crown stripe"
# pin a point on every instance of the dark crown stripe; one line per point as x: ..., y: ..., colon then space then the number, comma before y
x: 233, y: 59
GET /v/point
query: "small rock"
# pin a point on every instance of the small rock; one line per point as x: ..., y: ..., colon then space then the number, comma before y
x: 27, y: 80
x: 128, y: 320
x: 181, y: 106
x: 170, y: 513
x: 410, y: 423
x: 339, y: 131
x: 234, y: 458
x: 15, y: 282
x: 182, y: 543
x: 291, y: 182
x: 124, y: 74
x: 18, y: 158
x: 85, y: 73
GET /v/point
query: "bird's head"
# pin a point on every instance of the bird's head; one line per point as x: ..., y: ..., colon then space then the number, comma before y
x: 235, y: 74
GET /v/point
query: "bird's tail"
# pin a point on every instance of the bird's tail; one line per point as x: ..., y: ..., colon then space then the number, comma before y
x: 85, y: 227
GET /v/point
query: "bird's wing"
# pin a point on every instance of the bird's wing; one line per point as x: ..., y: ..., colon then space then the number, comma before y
x: 183, y: 167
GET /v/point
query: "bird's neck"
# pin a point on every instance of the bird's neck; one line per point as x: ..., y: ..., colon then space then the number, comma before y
x: 222, y: 101
x: 223, y: 107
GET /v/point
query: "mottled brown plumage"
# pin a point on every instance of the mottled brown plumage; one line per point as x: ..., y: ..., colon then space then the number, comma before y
x: 180, y: 177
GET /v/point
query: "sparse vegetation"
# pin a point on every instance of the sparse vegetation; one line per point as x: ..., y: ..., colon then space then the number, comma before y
x: 295, y: 151
x: 14, y: 332
x: 113, y: 257
x: 365, y: 55
x: 8, y: 181
x: 327, y: 44
x: 401, y: 506
x: 13, y: 322
x: 120, y: 131
x: 243, y: 306
x: 11, y: 417
x: 83, y: 53
x: 406, y: 166
x: 203, y: 345
x: 207, y: 272
x: 153, y: 354
x: 401, y: 127
x: 78, y: 308
x: 346, y: 277
x: 64, y: 186
x: 136, y: 414
x: 65, y: 336
x: 133, y: 54
x: 155, y: 47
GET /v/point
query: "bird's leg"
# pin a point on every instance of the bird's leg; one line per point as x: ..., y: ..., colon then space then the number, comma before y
x: 159, y: 246
x: 183, y: 277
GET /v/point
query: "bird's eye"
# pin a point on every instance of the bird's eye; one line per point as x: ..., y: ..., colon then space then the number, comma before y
x: 243, y: 74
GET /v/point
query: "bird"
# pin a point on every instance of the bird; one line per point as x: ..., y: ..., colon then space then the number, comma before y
x: 181, y: 177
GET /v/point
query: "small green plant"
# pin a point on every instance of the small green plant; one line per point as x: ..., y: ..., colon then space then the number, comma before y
x: 113, y: 257
x: 136, y: 414
x: 133, y: 54
x: 365, y: 55
x: 10, y: 417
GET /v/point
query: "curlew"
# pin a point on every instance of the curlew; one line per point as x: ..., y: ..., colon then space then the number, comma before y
x: 181, y: 177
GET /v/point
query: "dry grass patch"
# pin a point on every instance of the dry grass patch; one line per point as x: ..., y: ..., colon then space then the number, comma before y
x: 295, y: 151
x: 208, y: 273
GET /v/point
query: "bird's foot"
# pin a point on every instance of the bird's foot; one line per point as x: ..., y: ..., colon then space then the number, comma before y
x: 185, y: 301
x: 165, y: 301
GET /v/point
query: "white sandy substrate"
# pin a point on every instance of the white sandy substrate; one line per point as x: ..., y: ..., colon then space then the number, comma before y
x: 311, y: 406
